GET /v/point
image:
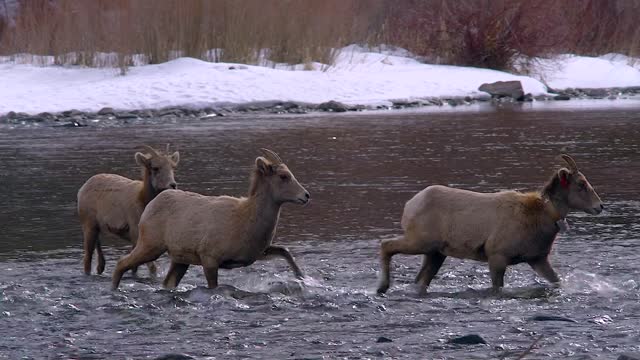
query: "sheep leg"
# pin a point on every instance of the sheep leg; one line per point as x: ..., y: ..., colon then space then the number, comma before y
x: 544, y: 269
x: 279, y: 251
x: 137, y: 257
x: 174, y: 275
x: 101, y: 260
x: 388, y: 248
x: 211, y: 273
x: 497, y: 268
x: 90, y: 232
x: 430, y: 266
x: 153, y: 269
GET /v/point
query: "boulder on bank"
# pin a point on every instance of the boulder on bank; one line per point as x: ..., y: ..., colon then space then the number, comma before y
x: 106, y: 111
x: 333, y: 106
x: 500, y: 89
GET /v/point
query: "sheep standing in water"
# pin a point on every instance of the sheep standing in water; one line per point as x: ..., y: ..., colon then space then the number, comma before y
x: 109, y: 203
x: 217, y: 232
x: 503, y: 228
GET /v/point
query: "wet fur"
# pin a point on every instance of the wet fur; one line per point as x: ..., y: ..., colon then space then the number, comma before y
x: 113, y: 204
x: 502, y: 228
x: 214, y: 231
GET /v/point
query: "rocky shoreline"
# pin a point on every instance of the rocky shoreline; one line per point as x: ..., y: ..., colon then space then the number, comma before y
x: 76, y: 118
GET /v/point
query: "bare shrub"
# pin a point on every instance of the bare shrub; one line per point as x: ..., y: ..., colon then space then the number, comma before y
x: 483, y: 33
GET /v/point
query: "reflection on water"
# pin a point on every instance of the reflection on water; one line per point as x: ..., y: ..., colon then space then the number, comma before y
x: 360, y: 170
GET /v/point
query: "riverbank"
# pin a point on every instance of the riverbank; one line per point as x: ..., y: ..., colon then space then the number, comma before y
x: 361, y: 79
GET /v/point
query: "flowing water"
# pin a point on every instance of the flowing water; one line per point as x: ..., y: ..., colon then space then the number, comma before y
x: 359, y: 169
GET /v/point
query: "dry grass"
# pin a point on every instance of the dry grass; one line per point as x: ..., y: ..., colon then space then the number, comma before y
x: 483, y: 33
x: 283, y: 31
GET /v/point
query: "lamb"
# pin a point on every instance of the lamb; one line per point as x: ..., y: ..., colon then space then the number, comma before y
x: 109, y: 203
x: 217, y: 232
x: 503, y: 228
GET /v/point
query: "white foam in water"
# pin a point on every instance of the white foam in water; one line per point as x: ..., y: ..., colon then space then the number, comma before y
x: 581, y: 281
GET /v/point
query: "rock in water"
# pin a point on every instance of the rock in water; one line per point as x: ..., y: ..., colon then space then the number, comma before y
x: 383, y: 339
x: 174, y: 357
x: 472, y: 339
x: 499, y: 89
x: 629, y: 356
x: 552, y: 318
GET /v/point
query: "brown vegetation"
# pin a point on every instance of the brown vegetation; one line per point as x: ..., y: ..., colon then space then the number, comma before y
x: 484, y: 33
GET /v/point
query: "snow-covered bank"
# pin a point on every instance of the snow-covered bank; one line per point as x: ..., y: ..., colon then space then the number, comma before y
x: 358, y: 77
x: 568, y: 71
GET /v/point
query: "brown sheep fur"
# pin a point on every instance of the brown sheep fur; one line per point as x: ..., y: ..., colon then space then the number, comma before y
x: 502, y: 228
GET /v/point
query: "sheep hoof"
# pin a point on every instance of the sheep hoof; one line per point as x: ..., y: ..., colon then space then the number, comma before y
x: 382, y: 289
x: 100, y: 269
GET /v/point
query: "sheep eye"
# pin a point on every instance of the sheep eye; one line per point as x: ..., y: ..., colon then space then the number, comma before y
x: 284, y: 177
x: 155, y: 169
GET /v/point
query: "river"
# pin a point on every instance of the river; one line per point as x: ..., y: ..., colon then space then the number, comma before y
x: 360, y: 170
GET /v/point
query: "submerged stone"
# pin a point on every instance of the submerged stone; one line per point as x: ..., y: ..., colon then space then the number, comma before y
x: 629, y: 356
x: 471, y: 339
x: 383, y: 339
x: 552, y: 318
x: 174, y: 357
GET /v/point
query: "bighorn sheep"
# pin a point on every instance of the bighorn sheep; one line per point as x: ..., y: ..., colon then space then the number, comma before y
x: 109, y: 203
x: 217, y: 231
x: 503, y: 228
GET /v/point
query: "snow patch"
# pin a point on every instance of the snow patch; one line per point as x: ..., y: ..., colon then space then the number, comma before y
x: 366, y: 76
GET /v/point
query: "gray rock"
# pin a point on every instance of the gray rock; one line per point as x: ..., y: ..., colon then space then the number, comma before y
x: 405, y: 103
x: 174, y: 357
x: 471, y: 339
x: 452, y: 102
x: 290, y: 105
x: 170, y: 111
x: 72, y: 112
x: 126, y: 115
x: 551, y: 318
x: 596, y: 93
x: 46, y: 115
x: 562, y: 97
x: 383, y: 339
x: 33, y: 119
x: 629, y: 356
x: 333, y: 106
x: 106, y: 111
x: 512, y: 89
x: 72, y: 124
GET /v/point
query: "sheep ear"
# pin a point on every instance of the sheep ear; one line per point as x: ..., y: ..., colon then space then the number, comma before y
x: 565, y: 177
x: 142, y: 160
x: 175, y: 157
x: 263, y: 165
